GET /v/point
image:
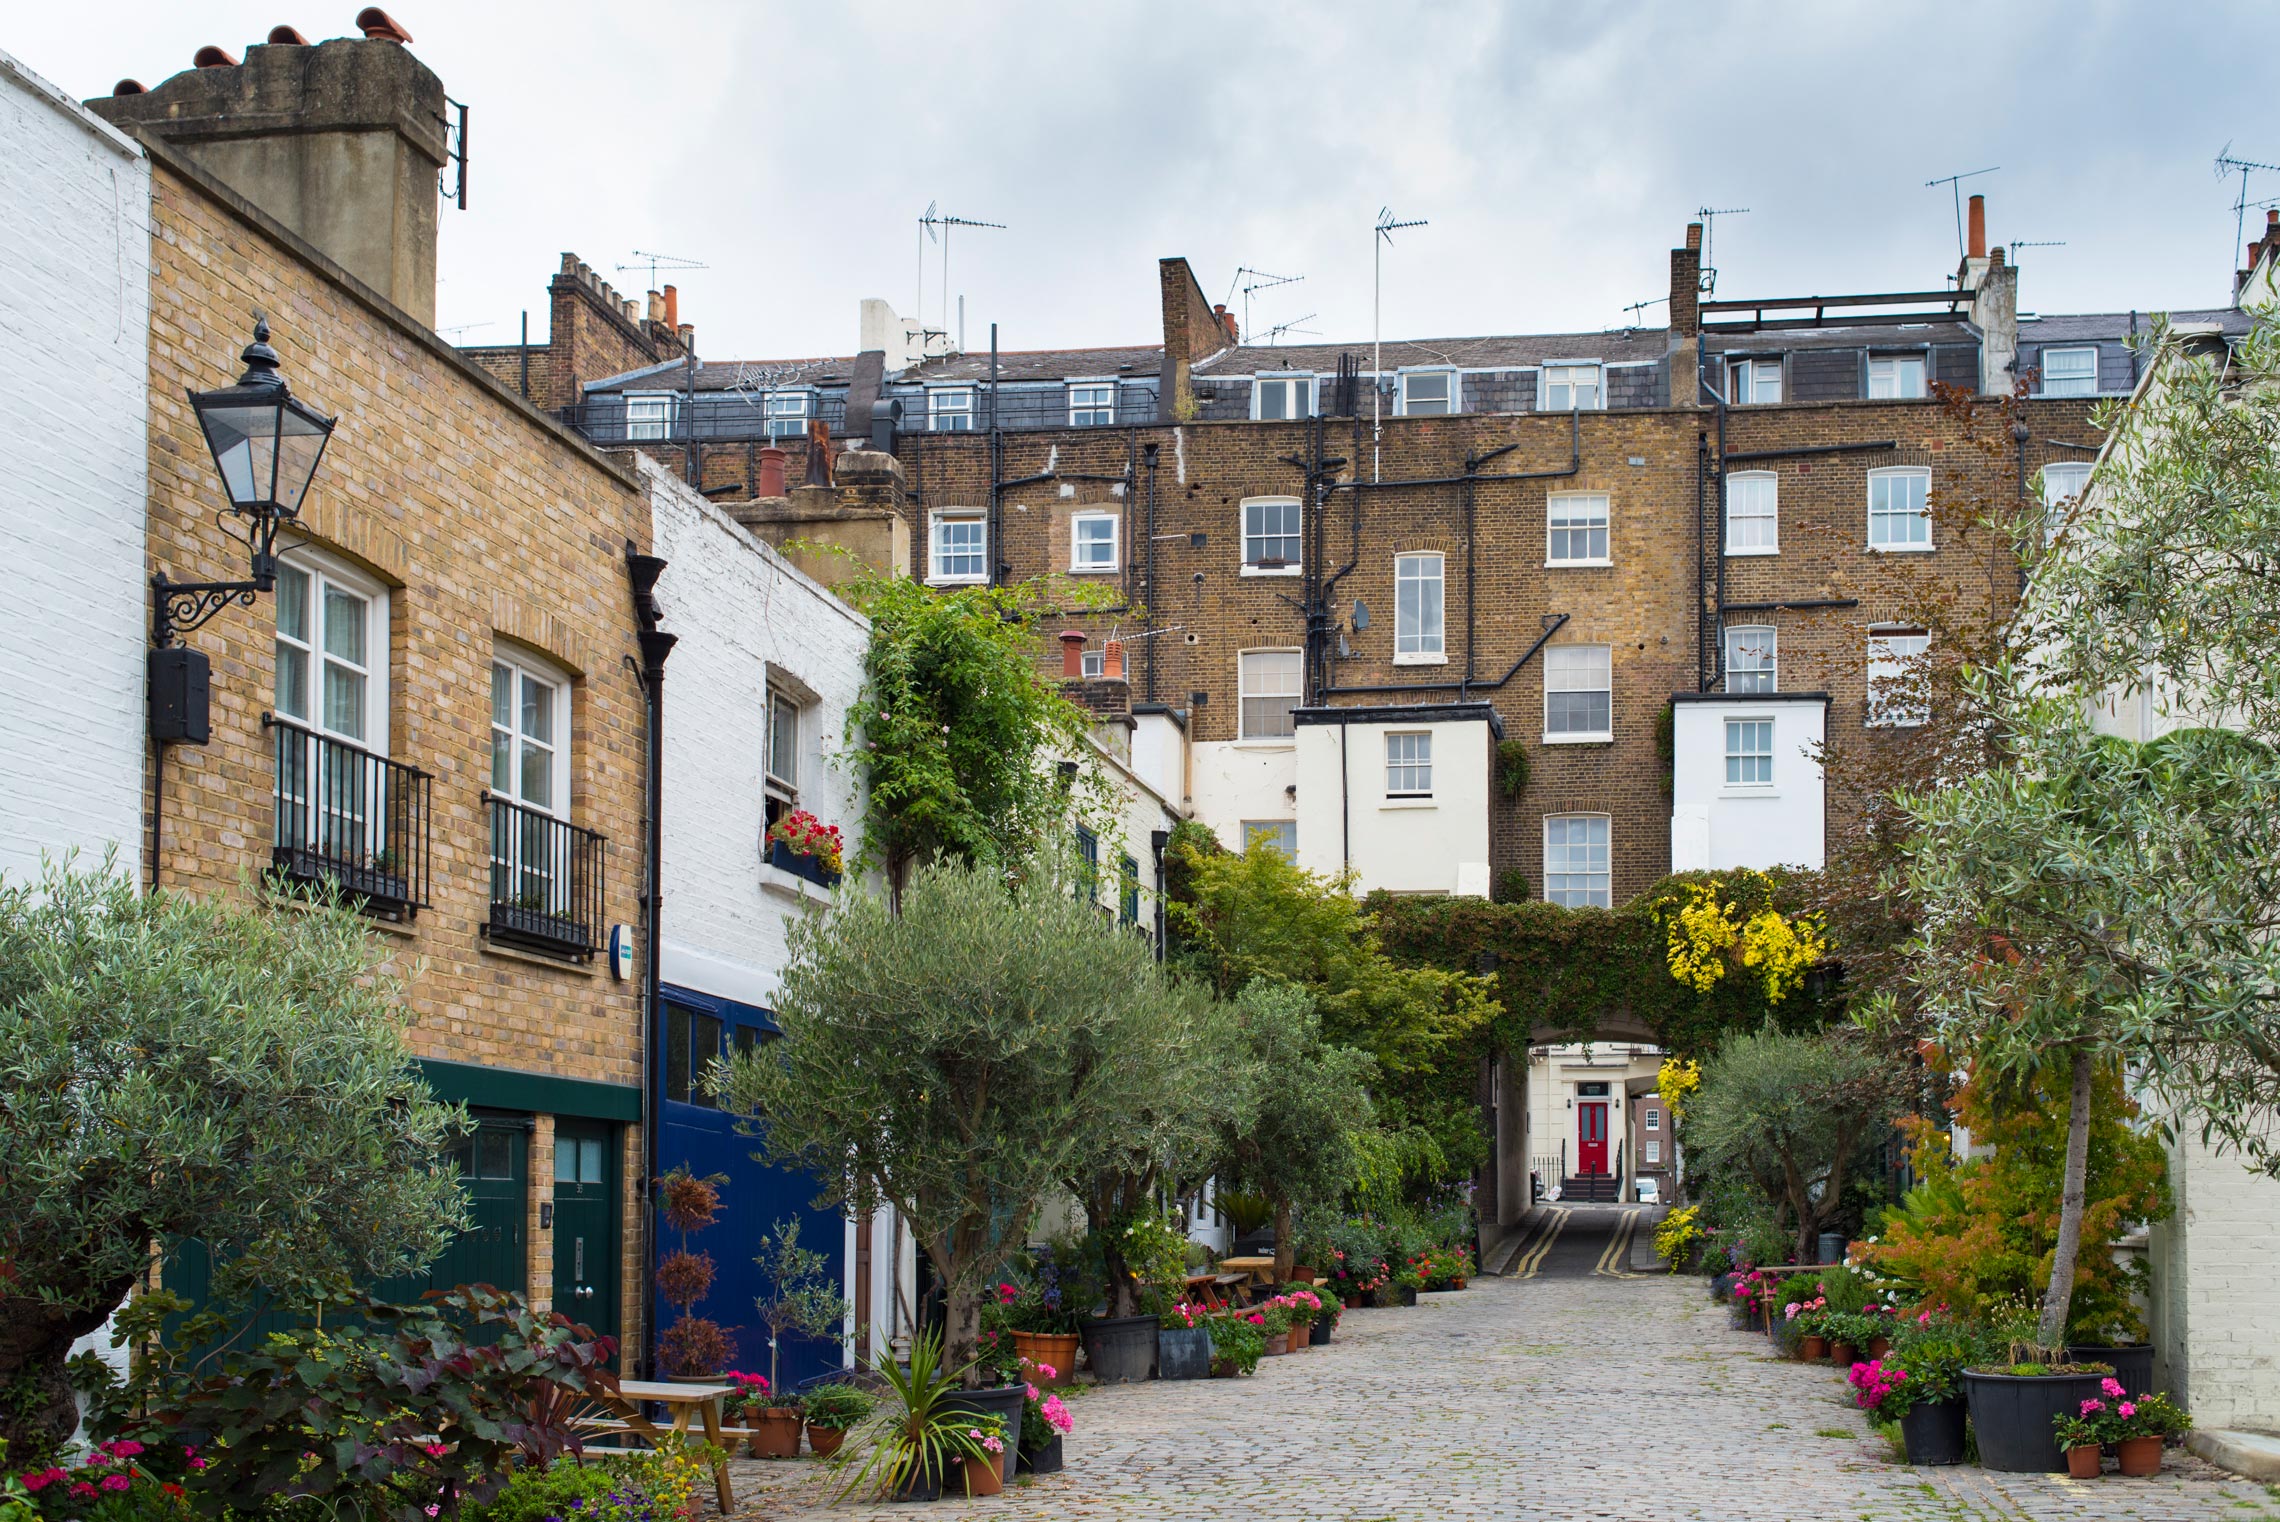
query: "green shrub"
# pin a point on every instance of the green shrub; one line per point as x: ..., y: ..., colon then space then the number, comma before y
x: 837, y: 1405
x: 1236, y: 1345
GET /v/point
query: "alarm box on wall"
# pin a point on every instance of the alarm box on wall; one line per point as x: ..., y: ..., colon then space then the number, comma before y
x: 180, y: 691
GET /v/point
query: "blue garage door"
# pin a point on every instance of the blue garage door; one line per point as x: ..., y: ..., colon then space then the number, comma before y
x: 693, y: 1130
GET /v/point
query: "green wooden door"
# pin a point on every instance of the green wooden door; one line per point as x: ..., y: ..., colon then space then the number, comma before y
x: 494, y: 1170
x: 586, y: 1223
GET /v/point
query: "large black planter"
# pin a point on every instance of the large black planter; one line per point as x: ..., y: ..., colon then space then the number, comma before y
x: 1002, y: 1402
x: 1044, y: 1460
x: 923, y: 1483
x: 1183, y: 1352
x: 1722, y: 1288
x: 1121, y: 1349
x: 2012, y: 1414
x: 1318, y: 1335
x: 1933, y: 1430
x: 2133, y: 1365
x: 1408, y: 1295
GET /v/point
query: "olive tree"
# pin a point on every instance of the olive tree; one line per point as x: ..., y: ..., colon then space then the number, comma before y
x: 1791, y: 1113
x: 959, y: 1059
x: 230, y: 1070
x: 1298, y: 1149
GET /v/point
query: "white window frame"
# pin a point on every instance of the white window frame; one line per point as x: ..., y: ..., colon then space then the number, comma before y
x: 1408, y: 765
x: 1251, y: 562
x: 935, y: 524
x: 648, y: 415
x: 1894, y: 367
x: 777, y: 783
x: 2089, y: 383
x: 1765, y: 524
x: 1569, y: 513
x: 1569, y: 373
x: 1742, y: 764
x: 1765, y: 637
x: 1886, y: 518
x: 1245, y: 694
x: 528, y: 669
x: 1559, y: 657
x: 1598, y: 881
x: 1423, y: 641
x: 783, y: 421
x: 1098, y: 412
x: 2076, y: 471
x: 1279, y: 835
x: 1092, y: 664
x: 1078, y: 565
x: 1746, y: 379
x: 325, y: 570
x: 1653, y: 1147
x: 1406, y: 406
x: 1882, y: 655
x: 943, y: 418
x: 1653, y: 1118
x: 1303, y: 384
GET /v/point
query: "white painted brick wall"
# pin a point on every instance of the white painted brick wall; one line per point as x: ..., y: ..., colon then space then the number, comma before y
x: 2215, y: 1312
x: 74, y: 387
x: 738, y: 606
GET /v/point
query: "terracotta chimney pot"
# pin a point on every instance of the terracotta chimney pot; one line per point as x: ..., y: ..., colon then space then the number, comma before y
x: 672, y: 308
x: 211, y: 57
x: 1112, y: 662
x: 1072, y: 653
x: 377, y: 25
x: 1977, y: 222
x: 285, y: 36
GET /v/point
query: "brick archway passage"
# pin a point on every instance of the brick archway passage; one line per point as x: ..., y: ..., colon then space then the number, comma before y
x: 1544, y: 1398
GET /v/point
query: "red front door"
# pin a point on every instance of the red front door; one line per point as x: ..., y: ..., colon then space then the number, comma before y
x: 1591, y: 1136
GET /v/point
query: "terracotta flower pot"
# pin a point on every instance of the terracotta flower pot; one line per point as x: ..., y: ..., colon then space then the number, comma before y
x: 984, y: 1477
x: 775, y: 1432
x: 2083, y: 1463
x: 2140, y: 1456
x: 1841, y: 1354
x: 1296, y: 1341
x: 1054, y: 1350
x: 1879, y: 1346
x: 1813, y: 1348
x: 823, y: 1442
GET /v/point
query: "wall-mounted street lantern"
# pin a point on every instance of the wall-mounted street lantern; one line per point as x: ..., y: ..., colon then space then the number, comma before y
x: 266, y: 444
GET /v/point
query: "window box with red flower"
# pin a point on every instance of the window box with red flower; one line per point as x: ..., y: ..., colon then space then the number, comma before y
x: 807, y: 848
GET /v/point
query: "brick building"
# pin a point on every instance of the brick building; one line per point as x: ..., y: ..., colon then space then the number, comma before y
x: 433, y: 709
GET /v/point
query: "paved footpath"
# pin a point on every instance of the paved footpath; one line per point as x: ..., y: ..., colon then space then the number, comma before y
x: 1580, y: 1393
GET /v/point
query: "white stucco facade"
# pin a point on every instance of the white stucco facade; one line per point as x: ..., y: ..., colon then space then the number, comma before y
x: 74, y: 301
x: 1746, y: 784
x: 1564, y: 1077
x: 1401, y: 796
x: 1238, y: 781
x: 750, y: 626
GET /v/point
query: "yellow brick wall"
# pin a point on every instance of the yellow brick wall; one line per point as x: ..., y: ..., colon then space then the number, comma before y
x: 485, y: 523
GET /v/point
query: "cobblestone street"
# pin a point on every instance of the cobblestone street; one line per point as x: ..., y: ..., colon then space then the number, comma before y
x: 1580, y: 1392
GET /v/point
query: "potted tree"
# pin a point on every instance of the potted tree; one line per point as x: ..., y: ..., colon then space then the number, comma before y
x: 694, y: 1348
x: 799, y: 1297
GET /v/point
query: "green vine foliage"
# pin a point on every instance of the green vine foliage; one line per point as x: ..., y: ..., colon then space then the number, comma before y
x: 1571, y: 969
x: 959, y: 728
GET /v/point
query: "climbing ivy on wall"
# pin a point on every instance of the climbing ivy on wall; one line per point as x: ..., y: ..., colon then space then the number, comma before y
x: 1577, y: 969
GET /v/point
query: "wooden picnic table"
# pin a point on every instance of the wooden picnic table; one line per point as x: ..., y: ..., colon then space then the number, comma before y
x: 1257, y: 1267
x: 1213, y: 1287
x: 684, y: 1401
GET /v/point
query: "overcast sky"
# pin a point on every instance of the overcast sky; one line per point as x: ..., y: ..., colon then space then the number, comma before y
x: 1558, y: 151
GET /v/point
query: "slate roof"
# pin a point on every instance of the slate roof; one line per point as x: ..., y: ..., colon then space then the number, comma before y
x: 1505, y: 352
x: 723, y: 375
x: 1131, y: 362
x: 2060, y: 327
x: 1936, y: 330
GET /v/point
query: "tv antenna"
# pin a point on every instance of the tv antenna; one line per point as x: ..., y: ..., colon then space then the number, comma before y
x: 936, y: 219
x: 2226, y: 164
x: 1954, y: 182
x: 1707, y: 282
x: 654, y: 262
x: 2019, y: 243
x: 1638, y: 309
x: 1260, y: 281
x: 465, y: 327
x: 1382, y: 235
x: 1291, y: 326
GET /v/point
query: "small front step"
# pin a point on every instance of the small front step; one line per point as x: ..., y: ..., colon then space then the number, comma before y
x: 1593, y: 1189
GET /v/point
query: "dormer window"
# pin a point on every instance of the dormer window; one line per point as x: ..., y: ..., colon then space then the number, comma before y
x: 950, y: 409
x: 788, y: 412
x: 1753, y: 382
x: 1428, y: 393
x: 1276, y: 397
x: 1570, y: 388
x: 1092, y: 404
x: 1895, y: 377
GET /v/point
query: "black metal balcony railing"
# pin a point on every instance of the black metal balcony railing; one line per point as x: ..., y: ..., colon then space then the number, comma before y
x: 348, y: 816
x: 546, y: 882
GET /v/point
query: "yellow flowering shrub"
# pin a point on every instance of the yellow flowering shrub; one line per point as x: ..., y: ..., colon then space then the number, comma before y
x: 1676, y: 1081
x: 1676, y: 1237
x: 1704, y: 943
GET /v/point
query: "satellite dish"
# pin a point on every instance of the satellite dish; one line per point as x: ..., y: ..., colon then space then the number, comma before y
x: 1361, y: 615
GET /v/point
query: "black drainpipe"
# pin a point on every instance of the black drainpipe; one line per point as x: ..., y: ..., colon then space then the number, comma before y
x: 643, y: 571
x: 1148, y: 588
x: 993, y: 530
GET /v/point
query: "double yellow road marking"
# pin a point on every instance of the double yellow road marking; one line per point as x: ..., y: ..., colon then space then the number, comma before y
x: 1532, y: 1251
x: 1615, y: 1262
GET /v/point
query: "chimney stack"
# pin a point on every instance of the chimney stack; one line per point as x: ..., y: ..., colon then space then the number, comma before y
x: 342, y: 142
x: 654, y: 308
x: 1976, y: 240
x: 1228, y: 323
x: 1686, y: 320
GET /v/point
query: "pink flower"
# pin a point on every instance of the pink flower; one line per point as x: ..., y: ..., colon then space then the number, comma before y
x: 125, y: 1448
x: 43, y: 1479
x: 2089, y: 1406
x: 1007, y: 1294
x: 433, y: 1507
x: 2113, y: 1387
x: 1046, y: 1369
x: 116, y: 1481
x: 197, y: 1463
x: 82, y: 1489
x: 436, y: 1450
x: 2127, y: 1408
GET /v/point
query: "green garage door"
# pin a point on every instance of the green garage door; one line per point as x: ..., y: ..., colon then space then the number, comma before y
x: 494, y: 1169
